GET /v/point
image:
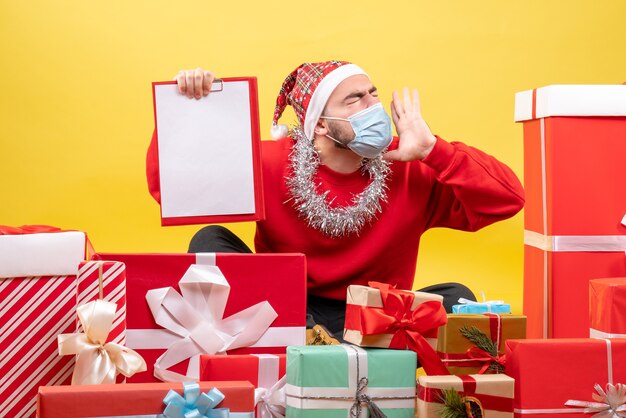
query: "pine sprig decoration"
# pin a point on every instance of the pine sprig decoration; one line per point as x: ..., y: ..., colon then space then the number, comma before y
x: 482, y: 341
x: 457, y: 406
x: 453, y: 404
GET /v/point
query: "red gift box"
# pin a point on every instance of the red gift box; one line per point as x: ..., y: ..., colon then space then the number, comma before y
x: 139, y: 399
x: 279, y: 279
x: 548, y: 373
x: 573, y: 166
x: 37, y: 302
x: 607, y: 307
x: 262, y: 370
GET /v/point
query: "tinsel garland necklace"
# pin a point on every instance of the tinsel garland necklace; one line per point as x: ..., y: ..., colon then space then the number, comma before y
x: 313, y: 205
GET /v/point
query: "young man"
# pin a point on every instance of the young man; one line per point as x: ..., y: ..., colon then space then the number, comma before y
x: 340, y: 189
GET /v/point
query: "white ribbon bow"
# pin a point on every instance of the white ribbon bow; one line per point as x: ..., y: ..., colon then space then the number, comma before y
x: 97, y: 362
x: 609, y: 404
x: 196, y: 318
x: 486, y: 302
x: 271, y: 402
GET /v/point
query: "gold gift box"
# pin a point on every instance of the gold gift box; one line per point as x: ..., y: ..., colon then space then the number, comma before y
x: 452, y: 345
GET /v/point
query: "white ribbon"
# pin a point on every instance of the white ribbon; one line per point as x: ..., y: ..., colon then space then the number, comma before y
x: 96, y: 361
x: 271, y: 402
x: 487, y: 302
x: 575, y: 243
x: 608, y: 404
x: 196, y: 320
x: 269, y: 396
x: 594, y: 333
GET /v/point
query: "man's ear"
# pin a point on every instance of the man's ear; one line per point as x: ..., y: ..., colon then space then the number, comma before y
x: 321, y: 128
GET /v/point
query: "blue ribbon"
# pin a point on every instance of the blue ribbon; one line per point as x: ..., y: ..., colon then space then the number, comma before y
x: 194, y: 404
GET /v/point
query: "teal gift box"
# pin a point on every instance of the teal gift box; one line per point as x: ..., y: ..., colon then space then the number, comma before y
x: 482, y: 307
x: 342, y: 381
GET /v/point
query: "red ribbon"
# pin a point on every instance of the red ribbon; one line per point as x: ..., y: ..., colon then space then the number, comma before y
x: 27, y: 229
x: 495, y: 326
x: 408, y: 326
x: 489, y: 402
x: 486, y: 359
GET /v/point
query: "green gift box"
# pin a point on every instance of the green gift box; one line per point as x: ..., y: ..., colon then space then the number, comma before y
x: 343, y: 381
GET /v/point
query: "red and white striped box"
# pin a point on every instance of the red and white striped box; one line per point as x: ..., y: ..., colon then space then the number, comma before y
x: 37, y: 302
x: 104, y: 280
x: 38, y: 299
x: 575, y: 228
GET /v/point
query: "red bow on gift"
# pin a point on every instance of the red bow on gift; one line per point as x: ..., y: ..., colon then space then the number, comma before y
x: 478, y: 354
x: 408, y: 326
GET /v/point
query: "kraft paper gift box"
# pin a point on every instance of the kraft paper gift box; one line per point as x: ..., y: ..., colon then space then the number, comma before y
x: 607, y: 307
x: 381, y: 316
x: 266, y: 372
x: 228, y: 302
x: 334, y: 381
x: 492, y: 394
x: 461, y: 355
x: 550, y: 372
x: 574, y: 168
x: 140, y: 399
x: 38, y: 266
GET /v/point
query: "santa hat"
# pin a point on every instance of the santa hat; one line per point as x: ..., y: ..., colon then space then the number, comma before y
x: 307, y: 90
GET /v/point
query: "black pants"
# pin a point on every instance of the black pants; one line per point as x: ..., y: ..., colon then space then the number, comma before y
x: 328, y: 312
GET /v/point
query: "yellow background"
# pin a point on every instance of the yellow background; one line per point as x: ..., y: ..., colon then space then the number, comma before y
x: 76, y: 106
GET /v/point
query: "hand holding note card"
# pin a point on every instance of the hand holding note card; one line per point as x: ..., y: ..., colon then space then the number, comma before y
x: 209, y: 160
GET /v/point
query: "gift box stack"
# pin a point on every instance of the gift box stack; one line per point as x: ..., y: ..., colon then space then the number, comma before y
x: 574, y: 222
x: 40, y: 283
x: 381, y: 316
x: 177, y: 335
x: 67, y: 326
x: 575, y: 238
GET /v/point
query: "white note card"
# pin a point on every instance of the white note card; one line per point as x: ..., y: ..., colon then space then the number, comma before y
x: 205, y: 151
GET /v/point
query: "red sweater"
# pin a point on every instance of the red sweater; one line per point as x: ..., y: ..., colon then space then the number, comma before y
x: 456, y: 186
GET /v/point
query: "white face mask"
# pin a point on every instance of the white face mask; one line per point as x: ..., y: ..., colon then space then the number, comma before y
x: 372, y: 131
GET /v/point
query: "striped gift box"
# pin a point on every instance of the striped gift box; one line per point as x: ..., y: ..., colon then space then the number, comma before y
x: 33, y: 310
x: 104, y: 280
x: 37, y: 302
